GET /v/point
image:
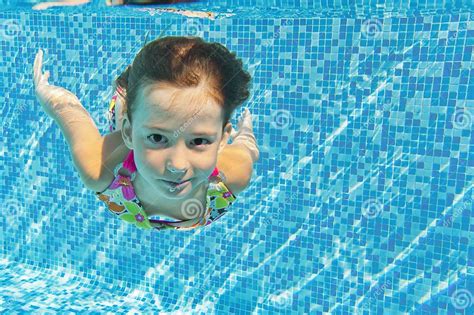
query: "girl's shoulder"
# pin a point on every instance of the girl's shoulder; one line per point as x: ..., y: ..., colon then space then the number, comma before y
x: 114, y: 152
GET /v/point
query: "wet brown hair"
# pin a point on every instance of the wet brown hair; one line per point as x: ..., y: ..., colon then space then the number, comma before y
x: 187, y: 62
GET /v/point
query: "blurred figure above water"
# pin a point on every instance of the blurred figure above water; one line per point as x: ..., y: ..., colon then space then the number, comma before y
x: 45, y: 5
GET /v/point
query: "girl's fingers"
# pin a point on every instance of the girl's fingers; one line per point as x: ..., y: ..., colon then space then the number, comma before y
x: 35, y: 70
x: 247, y: 121
x: 39, y: 77
x: 239, y: 125
x: 37, y: 67
x: 46, y: 77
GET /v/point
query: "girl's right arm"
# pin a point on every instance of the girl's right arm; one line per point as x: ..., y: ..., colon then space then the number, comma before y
x: 95, y: 163
x: 89, y: 149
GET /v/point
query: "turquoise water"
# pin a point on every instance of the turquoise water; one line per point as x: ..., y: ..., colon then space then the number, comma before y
x: 361, y: 202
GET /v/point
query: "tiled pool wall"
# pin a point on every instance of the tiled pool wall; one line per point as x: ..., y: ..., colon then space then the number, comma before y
x: 361, y: 201
x: 371, y: 5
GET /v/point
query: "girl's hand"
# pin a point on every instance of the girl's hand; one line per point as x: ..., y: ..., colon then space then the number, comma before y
x: 245, y: 134
x: 49, y: 96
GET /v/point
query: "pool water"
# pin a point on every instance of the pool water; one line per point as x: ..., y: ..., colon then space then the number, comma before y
x: 360, y: 203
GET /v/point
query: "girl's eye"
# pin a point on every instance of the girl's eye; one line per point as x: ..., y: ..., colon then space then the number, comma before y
x: 155, y: 138
x: 208, y: 142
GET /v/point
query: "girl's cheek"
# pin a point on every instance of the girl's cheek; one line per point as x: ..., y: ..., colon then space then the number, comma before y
x: 154, y: 161
x: 206, y: 165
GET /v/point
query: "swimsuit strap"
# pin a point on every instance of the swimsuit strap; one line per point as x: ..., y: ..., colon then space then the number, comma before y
x: 128, y: 164
x: 215, y: 172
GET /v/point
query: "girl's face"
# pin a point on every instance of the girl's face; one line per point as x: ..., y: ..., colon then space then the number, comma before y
x: 179, y: 128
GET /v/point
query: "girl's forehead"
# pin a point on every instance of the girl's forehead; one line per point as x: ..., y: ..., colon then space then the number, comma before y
x: 168, y: 101
x: 156, y: 114
x: 169, y: 106
x: 181, y: 110
x: 168, y: 94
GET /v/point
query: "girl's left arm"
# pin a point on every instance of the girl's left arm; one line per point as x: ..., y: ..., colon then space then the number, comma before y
x: 236, y: 163
x: 236, y: 160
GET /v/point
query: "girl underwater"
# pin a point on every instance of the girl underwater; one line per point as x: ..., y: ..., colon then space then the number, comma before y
x: 167, y: 154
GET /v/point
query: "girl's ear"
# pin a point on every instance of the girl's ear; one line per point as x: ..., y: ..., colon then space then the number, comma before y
x: 127, y: 132
x: 225, y: 137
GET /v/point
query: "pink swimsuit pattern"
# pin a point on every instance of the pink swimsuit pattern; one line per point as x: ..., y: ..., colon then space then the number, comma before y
x: 122, y: 201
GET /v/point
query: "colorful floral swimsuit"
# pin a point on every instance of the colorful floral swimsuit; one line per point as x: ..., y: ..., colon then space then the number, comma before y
x: 121, y: 199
